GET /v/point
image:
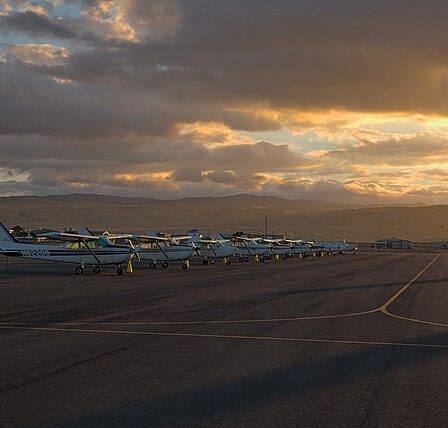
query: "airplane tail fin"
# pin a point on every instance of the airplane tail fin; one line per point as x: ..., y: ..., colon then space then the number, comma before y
x: 85, y: 231
x: 220, y: 237
x: 5, y: 236
x: 195, y: 237
x: 150, y: 233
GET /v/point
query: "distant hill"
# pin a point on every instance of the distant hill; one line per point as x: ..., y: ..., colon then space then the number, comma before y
x: 300, y: 218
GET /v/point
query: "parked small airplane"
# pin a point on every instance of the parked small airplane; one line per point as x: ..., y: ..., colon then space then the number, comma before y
x: 298, y: 247
x: 161, y: 249
x: 249, y: 247
x: 81, y: 250
x: 212, y: 249
x: 276, y: 248
x: 337, y: 247
x: 318, y: 249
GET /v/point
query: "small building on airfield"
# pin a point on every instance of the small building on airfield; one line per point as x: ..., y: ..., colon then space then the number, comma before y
x: 394, y: 243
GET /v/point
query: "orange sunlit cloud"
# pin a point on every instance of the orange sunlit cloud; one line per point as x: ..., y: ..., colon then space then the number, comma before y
x: 150, y: 99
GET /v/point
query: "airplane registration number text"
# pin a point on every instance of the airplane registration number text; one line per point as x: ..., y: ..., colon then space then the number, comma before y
x: 35, y: 253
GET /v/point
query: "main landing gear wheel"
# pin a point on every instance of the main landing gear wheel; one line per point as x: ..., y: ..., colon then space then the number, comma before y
x: 205, y: 262
x: 241, y: 259
x: 165, y: 265
x: 246, y: 259
x: 185, y: 265
x: 79, y: 270
x: 96, y: 269
x: 120, y: 270
x: 212, y: 261
x: 152, y: 265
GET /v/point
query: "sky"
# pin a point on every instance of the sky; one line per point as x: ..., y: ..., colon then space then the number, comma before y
x: 343, y: 100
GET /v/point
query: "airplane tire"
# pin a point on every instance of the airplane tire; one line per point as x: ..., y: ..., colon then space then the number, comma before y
x: 165, y: 265
x: 212, y: 261
x: 184, y: 266
x: 120, y: 271
x: 246, y: 259
x: 228, y: 262
x: 152, y: 265
x: 96, y: 269
x: 241, y: 259
x: 79, y: 270
x: 262, y: 259
x: 205, y: 262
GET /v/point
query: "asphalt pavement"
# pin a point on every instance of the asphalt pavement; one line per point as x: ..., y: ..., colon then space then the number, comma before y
x: 354, y: 340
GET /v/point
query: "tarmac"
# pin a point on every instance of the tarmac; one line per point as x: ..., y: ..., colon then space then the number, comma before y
x: 356, y: 340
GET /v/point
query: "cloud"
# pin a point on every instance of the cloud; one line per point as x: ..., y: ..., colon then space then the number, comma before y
x: 403, y: 151
x: 301, y: 98
x: 36, y: 54
x: 35, y: 24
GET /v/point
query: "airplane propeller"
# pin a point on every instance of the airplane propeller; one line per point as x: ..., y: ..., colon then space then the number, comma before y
x: 134, y: 250
x: 195, y: 248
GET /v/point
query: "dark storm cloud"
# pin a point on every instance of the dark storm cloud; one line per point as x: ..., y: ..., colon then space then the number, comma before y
x: 116, y: 100
x: 382, y: 56
x: 35, y: 25
x: 243, y: 159
x: 403, y: 151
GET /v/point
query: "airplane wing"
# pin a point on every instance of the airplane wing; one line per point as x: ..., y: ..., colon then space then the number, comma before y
x: 180, y: 238
x: 270, y: 241
x: 62, y: 236
x: 147, y: 238
x: 113, y: 237
x: 213, y: 241
x: 243, y: 238
x: 70, y: 236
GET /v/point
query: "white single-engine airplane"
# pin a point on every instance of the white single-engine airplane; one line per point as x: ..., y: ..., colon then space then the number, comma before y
x: 249, y: 247
x: 80, y: 250
x: 276, y: 248
x: 160, y: 249
x: 298, y: 247
x: 339, y: 247
x: 212, y: 249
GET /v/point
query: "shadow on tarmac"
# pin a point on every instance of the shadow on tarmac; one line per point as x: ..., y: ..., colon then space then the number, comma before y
x: 207, y: 404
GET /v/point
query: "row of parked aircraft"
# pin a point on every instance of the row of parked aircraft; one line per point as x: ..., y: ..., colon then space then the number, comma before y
x: 86, y: 249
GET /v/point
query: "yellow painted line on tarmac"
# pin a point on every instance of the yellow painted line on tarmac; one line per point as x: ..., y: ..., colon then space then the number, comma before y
x: 383, y: 308
x: 231, y: 337
x: 433, y: 323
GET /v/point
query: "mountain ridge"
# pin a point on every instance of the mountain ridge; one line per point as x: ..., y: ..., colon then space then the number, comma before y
x: 300, y: 218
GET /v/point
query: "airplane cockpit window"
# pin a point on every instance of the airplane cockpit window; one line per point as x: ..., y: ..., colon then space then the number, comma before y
x: 103, y: 241
x: 72, y: 245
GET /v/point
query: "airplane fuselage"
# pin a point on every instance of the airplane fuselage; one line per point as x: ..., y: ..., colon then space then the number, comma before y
x: 170, y: 253
x: 110, y: 255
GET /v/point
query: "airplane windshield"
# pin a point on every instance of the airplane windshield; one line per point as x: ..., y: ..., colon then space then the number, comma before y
x: 103, y: 242
x: 81, y: 245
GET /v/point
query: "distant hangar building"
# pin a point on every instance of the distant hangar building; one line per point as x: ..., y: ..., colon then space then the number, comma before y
x: 440, y: 245
x: 394, y: 243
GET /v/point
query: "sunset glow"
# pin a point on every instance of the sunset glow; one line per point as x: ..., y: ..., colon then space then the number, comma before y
x: 152, y: 99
